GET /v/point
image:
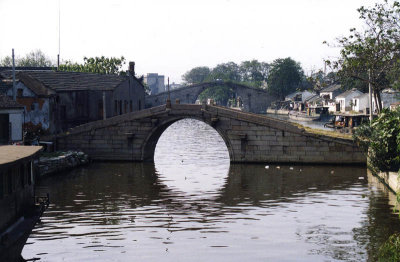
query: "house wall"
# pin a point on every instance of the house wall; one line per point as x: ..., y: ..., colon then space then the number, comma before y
x: 37, y: 109
x: 361, y: 104
x: 15, y: 117
x: 127, y: 93
x: 345, y: 104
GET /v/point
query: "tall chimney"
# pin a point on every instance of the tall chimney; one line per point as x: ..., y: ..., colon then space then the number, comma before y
x: 132, y: 68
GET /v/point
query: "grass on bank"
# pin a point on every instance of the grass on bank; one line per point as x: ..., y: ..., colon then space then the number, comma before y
x: 333, y: 134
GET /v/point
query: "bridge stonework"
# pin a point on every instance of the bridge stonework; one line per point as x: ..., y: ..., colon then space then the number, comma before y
x: 254, y: 100
x: 248, y: 137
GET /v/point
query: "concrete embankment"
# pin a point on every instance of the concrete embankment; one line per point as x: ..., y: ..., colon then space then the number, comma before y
x: 390, y: 179
x: 49, y: 164
x: 277, y: 111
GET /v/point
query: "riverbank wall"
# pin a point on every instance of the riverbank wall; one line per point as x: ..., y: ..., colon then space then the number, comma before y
x: 390, y: 179
x: 59, y: 162
x: 277, y: 111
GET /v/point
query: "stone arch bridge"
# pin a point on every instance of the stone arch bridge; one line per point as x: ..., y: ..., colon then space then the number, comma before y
x: 248, y: 137
x: 254, y: 100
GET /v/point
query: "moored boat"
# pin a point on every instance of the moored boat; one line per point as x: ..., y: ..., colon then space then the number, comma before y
x: 19, y: 207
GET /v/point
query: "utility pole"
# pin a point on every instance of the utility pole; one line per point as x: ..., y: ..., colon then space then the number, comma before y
x: 14, y: 92
x: 370, y: 96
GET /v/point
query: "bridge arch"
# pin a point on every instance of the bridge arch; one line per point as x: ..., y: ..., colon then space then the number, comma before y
x: 254, y: 100
x: 150, y: 142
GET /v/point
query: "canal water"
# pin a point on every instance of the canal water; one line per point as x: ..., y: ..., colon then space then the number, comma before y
x: 192, y: 205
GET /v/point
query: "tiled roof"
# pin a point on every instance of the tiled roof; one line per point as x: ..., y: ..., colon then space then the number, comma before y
x: 331, y: 88
x: 7, y: 102
x: 348, y: 92
x: 61, y: 81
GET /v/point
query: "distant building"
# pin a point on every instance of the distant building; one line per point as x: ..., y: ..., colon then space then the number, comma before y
x: 174, y: 86
x: 11, y: 120
x: 345, y: 99
x: 360, y: 103
x: 300, y: 96
x: 155, y: 83
x: 330, y: 92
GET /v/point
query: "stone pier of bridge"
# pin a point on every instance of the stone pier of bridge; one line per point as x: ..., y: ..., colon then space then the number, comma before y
x: 249, y: 138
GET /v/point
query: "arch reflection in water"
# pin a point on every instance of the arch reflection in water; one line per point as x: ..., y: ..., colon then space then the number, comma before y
x: 191, y: 157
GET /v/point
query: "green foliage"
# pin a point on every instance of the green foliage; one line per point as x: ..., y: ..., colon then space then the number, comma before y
x: 226, y: 71
x: 285, y: 77
x: 373, y: 54
x: 196, y: 75
x: 220, y: 94
x: 250, y: 72
x: 33, y: 59
x: 254, y: 72
x: 381, y: 140
x: 390, y: 250
x: 99, y: 65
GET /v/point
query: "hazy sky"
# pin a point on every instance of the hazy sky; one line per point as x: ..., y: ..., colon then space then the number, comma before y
x: 172, y: 36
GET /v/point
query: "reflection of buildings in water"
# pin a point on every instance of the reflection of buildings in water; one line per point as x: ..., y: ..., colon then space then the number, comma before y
x: 257, y: 183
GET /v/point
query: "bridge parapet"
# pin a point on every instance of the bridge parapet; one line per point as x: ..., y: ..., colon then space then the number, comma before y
x: 248, y: 137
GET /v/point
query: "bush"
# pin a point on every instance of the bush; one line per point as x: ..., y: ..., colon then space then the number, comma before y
x: 390, y: 250
x: 381, y: 140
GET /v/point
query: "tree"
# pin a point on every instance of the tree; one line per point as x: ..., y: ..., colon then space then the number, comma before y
x: 226, y: 71
x: 220, y: 94
x: 33, y: 59
x: 99, y: 65
x: 373, y: 54
x: 254, y: 72
x: 196, y: 75
x: 285, y: 76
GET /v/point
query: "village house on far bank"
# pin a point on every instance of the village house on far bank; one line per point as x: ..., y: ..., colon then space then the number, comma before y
x: 360, y: 103
x: 345, y: 99
x: 55, y: 101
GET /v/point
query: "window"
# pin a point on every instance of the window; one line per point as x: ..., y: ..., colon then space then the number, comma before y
x: 33, y: 106
x: 125, y: 106
x: 130, y: 106
x: 140, y: 104
x: 100, y: 109
x: 115, y: 107
x: 80, y: 110
x: 120, y: 107
x: 63, y: 112
x: 19, y: 92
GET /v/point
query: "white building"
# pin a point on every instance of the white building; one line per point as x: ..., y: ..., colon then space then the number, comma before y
x: 300, y: 96
x: 330, y: 92
x: 345, y: 99
x: 360, y: 103
x: 11, y: 120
